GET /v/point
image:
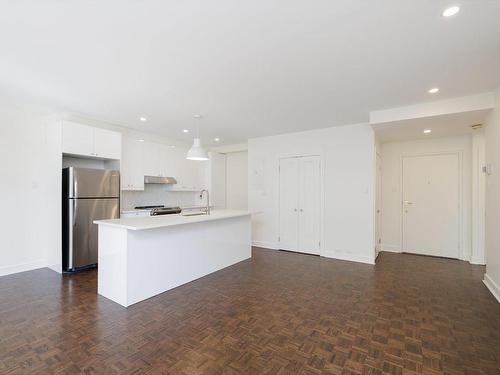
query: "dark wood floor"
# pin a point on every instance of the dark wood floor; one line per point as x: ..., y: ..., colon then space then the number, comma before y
x: 279, y: 313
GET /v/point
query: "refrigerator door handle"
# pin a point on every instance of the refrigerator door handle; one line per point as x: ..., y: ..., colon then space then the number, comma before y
x: 72, y: 223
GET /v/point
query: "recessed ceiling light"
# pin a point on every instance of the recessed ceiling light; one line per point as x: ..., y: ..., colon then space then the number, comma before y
x: 197, y: 116
x: 141, y: 140
x: 185, y: 131
x: 216, y: 139
x: 427, y: 131
x: 433, y: 90
x: 451, y: 11
x: 143, y: 119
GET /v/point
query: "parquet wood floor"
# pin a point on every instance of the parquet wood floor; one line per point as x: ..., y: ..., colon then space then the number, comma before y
x: 278, y: 313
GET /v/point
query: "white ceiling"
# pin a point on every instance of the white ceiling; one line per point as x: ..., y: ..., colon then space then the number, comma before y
x: 251, y: 68
x: 441, y: 126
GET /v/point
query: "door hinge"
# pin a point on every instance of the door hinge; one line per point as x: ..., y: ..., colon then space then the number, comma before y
x: 319, y: 243
x: 279, y: 238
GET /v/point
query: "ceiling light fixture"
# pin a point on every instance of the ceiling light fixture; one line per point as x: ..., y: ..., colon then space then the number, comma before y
x: 427, y: 131
x: 143, y: 119
x: 141, y: 140
x: 434, y: 90
x: 197, y: 152
x: 451, y: 11
x: 216, y: 139
x: 185, y: 131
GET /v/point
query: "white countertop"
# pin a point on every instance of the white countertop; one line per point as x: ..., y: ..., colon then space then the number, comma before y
x: 187, y: 208
x: 151, y: 222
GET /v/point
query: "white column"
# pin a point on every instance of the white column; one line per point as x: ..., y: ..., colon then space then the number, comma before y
x: 478, y: 197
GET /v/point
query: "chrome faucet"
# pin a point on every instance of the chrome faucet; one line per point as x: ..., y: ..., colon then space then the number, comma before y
x: 208, y: 200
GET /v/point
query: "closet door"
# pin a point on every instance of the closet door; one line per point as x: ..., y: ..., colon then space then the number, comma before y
x: 309, y: 204
x: 289, y: 196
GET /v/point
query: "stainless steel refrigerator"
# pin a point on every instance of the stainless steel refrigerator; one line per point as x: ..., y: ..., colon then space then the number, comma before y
x: 87, y: 195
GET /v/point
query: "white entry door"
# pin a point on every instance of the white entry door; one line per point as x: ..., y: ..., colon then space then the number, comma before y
x: 431, y: 205
x: 300, y: 209
x: 289, y: 204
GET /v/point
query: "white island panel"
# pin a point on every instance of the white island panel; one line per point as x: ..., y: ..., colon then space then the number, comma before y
x: 163, y: 259
x: 137, y: 264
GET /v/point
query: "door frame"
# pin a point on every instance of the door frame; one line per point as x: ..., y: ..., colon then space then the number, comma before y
x: 460, y: 202
x: 321, y: 195
x: 378, y: 199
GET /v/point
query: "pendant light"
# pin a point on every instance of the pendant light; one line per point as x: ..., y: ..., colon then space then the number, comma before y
x: 197, y: 152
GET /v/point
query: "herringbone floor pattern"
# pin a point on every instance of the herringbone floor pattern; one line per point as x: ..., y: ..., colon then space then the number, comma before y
x: 278, y: 313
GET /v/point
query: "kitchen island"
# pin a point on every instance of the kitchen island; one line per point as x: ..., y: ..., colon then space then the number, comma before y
x: 141, y: 257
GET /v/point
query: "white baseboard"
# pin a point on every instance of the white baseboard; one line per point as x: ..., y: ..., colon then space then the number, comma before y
x: 266, y: 244
x: 15, y: 268
x: 492, y: 286
x: 391, y: 248
x: 349, y: 257
x: 477, y: 260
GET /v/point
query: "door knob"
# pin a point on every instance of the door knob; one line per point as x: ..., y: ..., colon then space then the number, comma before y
x: 301, y: 210
x: 295, y: 209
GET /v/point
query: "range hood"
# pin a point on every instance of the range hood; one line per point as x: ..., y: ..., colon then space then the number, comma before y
x: 159, y: 180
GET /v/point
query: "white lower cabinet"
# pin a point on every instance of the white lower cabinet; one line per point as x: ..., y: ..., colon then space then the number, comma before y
x: 299, y: 201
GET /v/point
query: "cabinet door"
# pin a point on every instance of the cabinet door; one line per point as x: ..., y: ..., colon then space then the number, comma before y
x: 200, y: 175
x: 132, y: 164
x: 152, y: 159
x: 173, y: 160
x: 183, y: 170
x: 107, y: 144
x: 288, y: 204
x: 77, y: 139
x: 309, y: 204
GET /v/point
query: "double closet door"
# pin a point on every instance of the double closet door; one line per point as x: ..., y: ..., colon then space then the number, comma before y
x: 300, y: 200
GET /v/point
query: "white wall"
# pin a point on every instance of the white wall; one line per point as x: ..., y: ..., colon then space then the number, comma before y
x: 217, y: 179
x: 492, y: 136
x: 237, y: 180
x: 391, y: 186
x: 478, y: 197
x: 348, y: 159
x: 30, y: 187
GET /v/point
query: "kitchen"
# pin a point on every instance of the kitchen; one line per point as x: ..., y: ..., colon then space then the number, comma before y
x: 112, y: 180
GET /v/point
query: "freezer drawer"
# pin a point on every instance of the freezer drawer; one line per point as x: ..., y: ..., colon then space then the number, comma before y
x: 82, y: 239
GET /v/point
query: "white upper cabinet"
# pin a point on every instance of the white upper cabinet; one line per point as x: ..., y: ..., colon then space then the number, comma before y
x: 132, y: 174
x: 79, y: 139
x: 107, y: 144
x: 154, y: 163
x: 141, y: 159
x: 191, y: 175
